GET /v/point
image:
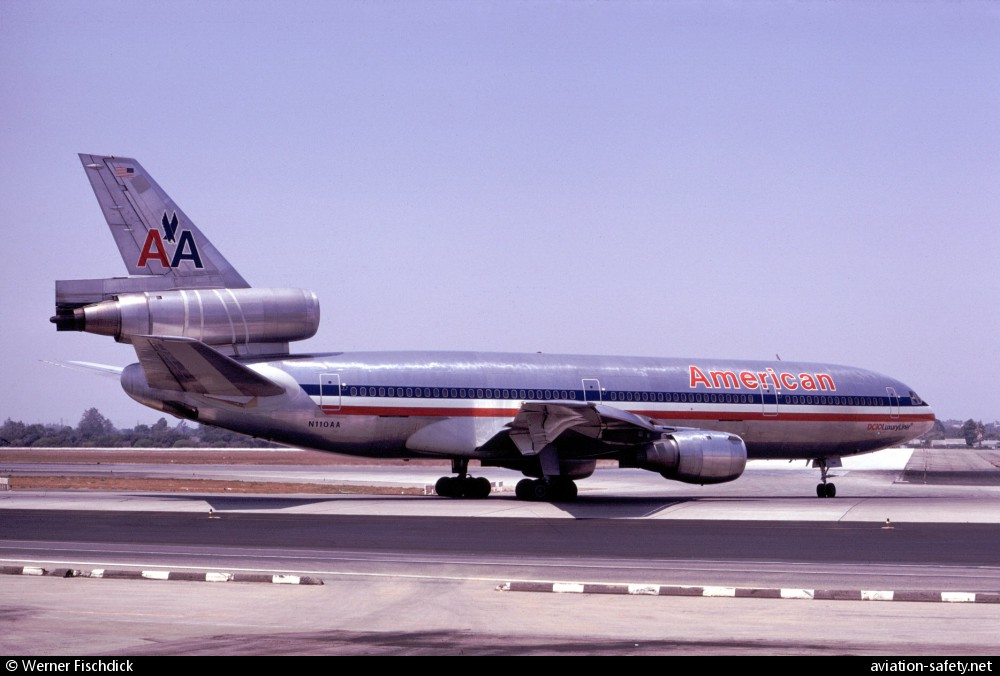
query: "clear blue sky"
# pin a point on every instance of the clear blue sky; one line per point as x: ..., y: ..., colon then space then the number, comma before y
x: 813, y: 179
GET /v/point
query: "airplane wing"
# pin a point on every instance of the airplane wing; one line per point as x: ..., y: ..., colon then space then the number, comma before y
x: 541, y: 424
x: 588, y: 427
x: 188, y: 365
x: 566, y: 437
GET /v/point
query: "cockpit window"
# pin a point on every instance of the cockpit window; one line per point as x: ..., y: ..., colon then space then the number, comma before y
x: 915, y: 398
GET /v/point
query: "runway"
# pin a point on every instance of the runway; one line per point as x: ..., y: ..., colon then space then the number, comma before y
x: 421, y: 574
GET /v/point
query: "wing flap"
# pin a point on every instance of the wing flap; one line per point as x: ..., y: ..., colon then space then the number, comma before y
x: 539, y: 425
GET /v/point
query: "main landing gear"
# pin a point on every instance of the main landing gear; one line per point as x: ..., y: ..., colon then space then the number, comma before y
x: 556, y: 489
x: 463, y: 485
x: 824, y: 489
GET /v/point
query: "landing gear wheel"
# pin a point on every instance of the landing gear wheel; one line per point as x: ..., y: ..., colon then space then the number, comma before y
x: 562, y: 490
x: 478, y: 488
x: 540, y: 490
x: 826, y: 490
x: 462, y: 487
x: 523, y: 489
x: 445, y: 487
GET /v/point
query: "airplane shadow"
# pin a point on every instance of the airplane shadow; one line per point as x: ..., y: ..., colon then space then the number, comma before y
x: 584, y: 507
x: 222, y: 503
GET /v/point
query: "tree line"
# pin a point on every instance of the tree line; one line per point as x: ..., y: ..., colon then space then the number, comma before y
x: 96, y: 431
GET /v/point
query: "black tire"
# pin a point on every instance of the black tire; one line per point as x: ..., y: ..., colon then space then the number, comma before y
x: 562, y: 490
x: 570, y: 491
x: 831, y: 491
x: 479, y: 488
x: 541, y: 490
x: 523, y: 489
x: 820, y: 490
x: 445, y: 487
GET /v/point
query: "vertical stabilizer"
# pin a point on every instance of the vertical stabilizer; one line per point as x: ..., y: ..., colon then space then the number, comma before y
x: 154, y: 237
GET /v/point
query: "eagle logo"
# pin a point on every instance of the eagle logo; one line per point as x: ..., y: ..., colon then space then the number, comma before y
x: 169, y: 226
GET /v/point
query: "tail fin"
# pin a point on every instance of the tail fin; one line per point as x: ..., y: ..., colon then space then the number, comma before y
x: 181, y: 287
x: 154, y: 236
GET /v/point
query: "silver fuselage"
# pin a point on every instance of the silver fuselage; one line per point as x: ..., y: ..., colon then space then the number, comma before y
x: 372, y: 403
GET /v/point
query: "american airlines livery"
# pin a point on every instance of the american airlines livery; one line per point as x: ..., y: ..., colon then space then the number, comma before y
x: 215, y: 350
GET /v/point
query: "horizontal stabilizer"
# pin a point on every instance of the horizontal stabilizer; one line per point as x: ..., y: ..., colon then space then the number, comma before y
x: 188, y: 365
x: 90, y: 367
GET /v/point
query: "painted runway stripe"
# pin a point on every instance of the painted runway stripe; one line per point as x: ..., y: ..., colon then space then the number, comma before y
x: 798, y: 594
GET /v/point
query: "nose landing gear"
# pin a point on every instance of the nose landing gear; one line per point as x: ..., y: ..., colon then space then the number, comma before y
x: 824, y: 489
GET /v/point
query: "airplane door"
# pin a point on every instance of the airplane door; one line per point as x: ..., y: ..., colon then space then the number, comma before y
x: 592, y: 389
x: 329, y: 391
x: 893, y: 402
x: 768, y: 399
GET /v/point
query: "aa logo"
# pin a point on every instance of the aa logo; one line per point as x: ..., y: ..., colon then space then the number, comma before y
x: 154, y: 249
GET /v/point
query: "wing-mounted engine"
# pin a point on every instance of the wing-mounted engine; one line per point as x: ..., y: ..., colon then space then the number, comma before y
x: 236, y: 321
x: 695, y: 456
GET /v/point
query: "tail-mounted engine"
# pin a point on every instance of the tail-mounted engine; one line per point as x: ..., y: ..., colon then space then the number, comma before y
x: 695, y: 456
x: 248, y: 320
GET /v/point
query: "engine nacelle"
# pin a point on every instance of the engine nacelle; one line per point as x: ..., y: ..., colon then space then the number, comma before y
x: 696, y: 456
x: 213, y: 316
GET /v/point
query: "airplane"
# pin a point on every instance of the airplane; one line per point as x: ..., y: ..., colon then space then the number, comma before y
x: 215, y: 350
